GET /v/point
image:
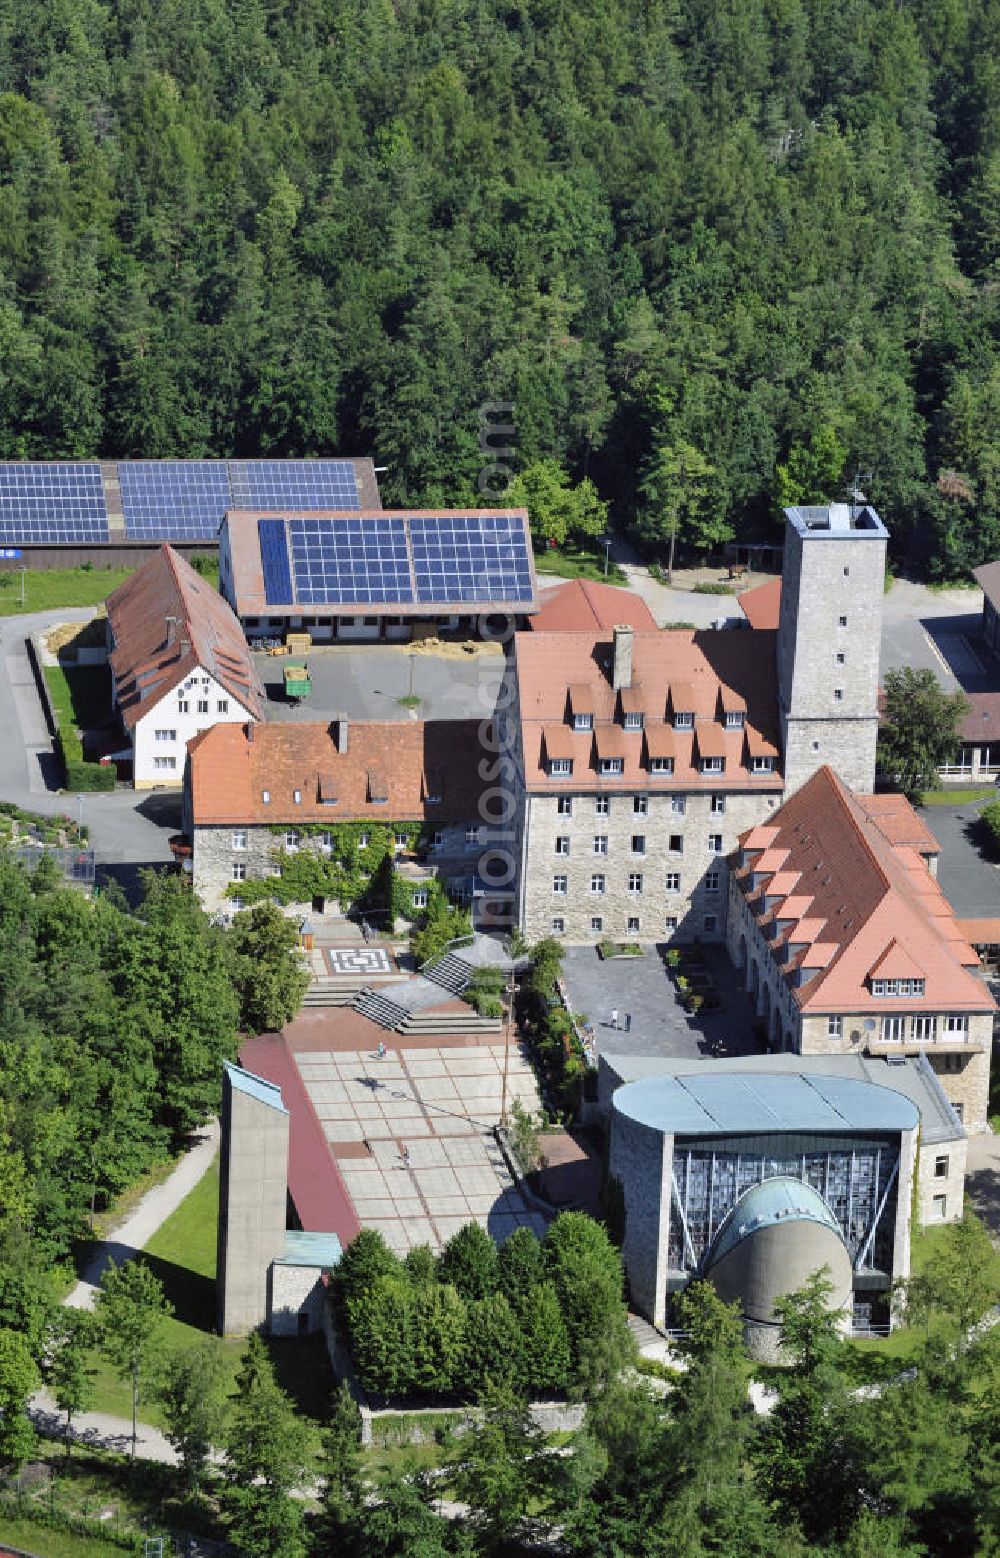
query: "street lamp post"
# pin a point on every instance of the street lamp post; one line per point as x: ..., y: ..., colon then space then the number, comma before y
x: 506, y: 1052
x: 23, y: 571
x: 607, y: 554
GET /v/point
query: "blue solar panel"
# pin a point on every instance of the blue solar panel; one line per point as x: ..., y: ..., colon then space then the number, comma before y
x: 470, y: 558
x: 52, y: 502
x: 361, y: 561
x: 164, y: 500
x: 293, y: 484
x: 274, y: 557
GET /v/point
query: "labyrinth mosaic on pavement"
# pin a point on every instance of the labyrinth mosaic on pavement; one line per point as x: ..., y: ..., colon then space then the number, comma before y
x: 413, y: 1137
x: 359, y: 960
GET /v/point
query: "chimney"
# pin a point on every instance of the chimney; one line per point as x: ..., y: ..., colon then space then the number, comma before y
x: 338, y: 730
x: 185, y: 646
x: 621, y: 675
x: 249, y: 731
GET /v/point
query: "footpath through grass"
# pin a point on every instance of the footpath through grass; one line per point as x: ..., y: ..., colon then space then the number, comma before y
x: 578, y: 562
x: 47, y: 588
x: 182, y: 1255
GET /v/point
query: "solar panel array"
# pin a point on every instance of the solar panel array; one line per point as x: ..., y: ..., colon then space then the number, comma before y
x: 440, y: 559
x: 470, y: 557
x: 362, y: 560
x: 44, y: 502
x: 274, y: 558
x: 58, y: 501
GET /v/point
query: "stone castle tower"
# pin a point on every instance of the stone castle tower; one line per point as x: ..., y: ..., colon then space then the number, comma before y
x: 829, y: 641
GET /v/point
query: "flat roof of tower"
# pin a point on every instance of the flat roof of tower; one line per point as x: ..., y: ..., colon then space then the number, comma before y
x: 837, y: 520
x: 726, y: 1103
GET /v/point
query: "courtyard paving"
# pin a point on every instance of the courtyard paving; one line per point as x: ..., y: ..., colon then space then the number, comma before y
x: 366, y: 683
x: 968, y: 878
x: 412, y: 1135
x: 643, y: 988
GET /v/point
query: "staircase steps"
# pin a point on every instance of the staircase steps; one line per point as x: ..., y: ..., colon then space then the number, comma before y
x: 450, y: 972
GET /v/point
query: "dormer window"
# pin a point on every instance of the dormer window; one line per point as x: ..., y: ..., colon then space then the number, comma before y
x: 661, y: 765
x: 297, y: 797
x: 713, y: 765
x: 683, y: 719
x: 762, y: 765
x: 734, y: 719
x: 633, y: 721
x: 899, y: 987
x: 265, y: 796
x: 611, y: 765
x: 560, y: 767
x: 583, y: 722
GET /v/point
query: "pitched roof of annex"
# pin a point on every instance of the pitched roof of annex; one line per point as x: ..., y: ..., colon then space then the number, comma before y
x: 167, y: 623
x: 709, y: 676
x: 762, y: 605
x: 392, y: 770
x: 864, y: 906
x: 586, y: 606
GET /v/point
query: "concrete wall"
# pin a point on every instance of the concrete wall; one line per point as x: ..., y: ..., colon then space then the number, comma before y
x: 641, y: 1160
x: 253, y: 1196
x: 691, y: 904
x: 200, y: 687
x: 931, y: 1184
x: 124, y: 554
x: 825, y: 578
x: 295, y: 1291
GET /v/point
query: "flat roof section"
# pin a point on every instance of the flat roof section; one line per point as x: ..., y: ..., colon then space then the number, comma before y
x: 729, y: 1104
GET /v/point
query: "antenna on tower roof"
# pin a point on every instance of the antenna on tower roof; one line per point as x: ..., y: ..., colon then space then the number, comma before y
x: 855, y: 491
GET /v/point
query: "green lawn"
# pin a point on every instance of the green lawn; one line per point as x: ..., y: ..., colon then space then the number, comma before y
x: 31, y: 1537
x: 579, y: 562
x: 958, y: 797
x: 182, y: 1255
x: 45, y: 588
x: 81, y: 694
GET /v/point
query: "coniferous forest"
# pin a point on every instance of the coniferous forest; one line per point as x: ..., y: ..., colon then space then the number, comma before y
x: 743, y: 248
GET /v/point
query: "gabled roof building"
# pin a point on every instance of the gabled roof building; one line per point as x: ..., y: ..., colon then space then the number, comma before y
x: 848, y: 944
x: 179, y: 663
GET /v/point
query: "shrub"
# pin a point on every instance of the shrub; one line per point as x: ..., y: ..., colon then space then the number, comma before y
x: 382, y: 1329
x: 495, y: 1346
x: 437, y: 1321
x: 546, y: 1340
x: 521, y: 1267
x: 991, y: 821
x: 366, y: 1258
x: 712, y: 587
x: 469, y: 1261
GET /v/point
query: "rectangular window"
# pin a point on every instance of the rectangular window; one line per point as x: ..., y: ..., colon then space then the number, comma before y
x: 893, y: 1028
x: 364, y: 839
x: 564, y: 806
x: 240, y: 839
x: 292, y: 839
x: 420, y: 897
x: 838, y: 694
x: 633, y: 722
x: 670, y: 923
x: 925, y: 1029
x: 939, y: 1206
x: 239, y: 871
x: 941, y: 1166
x: 715, y: 843
x: 562, y: 845
x: 559, y: 885
x: 471, y: 836
x: 673, y: 882
x: 583, y: 722
x: 957, y: 1024
x: 611, y: 765
x: 841, y: 657
x: 734, y: 719
x: 718, y: 805
x: 835, y: 1027
x: 713, y: 765
x: 558, y: 927
x: 402, y: 839
x: 711, y: 922
x: 675, y: 844
x: 678, y: 805
x: 842, y: 622
x: 711, y: 881
x: 683, y: 720
x: 597, y: 883
x: 183, y: 707
x: 635, y: 881
x: 640, y: 805
x: 633, y: 924
x: 959, y: 1111
x: 596, y: 924
x: 437, y: 838
x: 166, y: 735
x: 638, y: 843
x: 600, y: 843
x: 560, y: 767
x: 326, y: 841
x: 762, y: 765
x: 265, y: 796
x: 222, y: 706
x: 661, y: 765
x: 238, y: 904
x: 297, y: 797
x: 602, y: 805
x: 202, y: 706
x: 164, y: 762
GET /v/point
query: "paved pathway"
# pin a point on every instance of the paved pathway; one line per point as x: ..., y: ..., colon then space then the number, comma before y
x: 152, y: 1211
x: 101, y: 1431
x: 982, y: 1180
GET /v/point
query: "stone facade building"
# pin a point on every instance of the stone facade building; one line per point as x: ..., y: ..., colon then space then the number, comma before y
x: 256, y: 797
x: 848, y: 944
x: 636, y: 759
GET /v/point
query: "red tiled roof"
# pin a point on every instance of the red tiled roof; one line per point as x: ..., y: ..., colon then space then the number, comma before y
x: 678, y: 670
x: 762, y: 605
x: 584, y: 606
x: 901, y: 824
x: 983, y: 932
x: 167, y: 623
x: 230, y: 767
x: 868, y: 897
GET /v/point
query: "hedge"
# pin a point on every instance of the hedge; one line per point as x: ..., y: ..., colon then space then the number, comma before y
x: 81, y: 775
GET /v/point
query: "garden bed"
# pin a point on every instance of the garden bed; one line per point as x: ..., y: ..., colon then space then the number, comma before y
x: 608, y: 950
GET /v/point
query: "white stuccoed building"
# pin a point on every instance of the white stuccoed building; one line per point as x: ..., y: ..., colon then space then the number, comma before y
x: 179, y: 664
